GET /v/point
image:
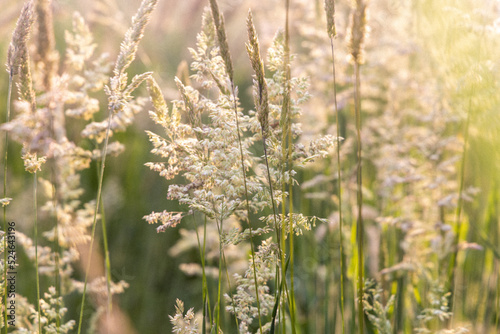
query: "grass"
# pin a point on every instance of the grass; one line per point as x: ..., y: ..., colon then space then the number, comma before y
x: 286, y: 198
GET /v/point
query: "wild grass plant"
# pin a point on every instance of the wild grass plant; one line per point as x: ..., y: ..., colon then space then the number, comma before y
x: 325, y: 167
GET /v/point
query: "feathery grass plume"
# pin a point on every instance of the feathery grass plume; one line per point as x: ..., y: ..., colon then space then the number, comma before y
x: 222, y: 38
x: 119, y: 95
x: 17, y: 56
x: 261, y: 100
x: 130, y: 44
x: 264, y: 263
x: 18, y: 50
x: 260, y: 94
x: 226, y: 56
x: 330, y: 18
x: 119, y: 91
x: 357, y: 32
x: 46, y: 57
x: 375, y: 310
x: 183, y: 323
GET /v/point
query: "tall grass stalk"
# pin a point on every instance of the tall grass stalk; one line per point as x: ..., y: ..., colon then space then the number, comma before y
x: 283, y: 206
x: 7, y: 119
x: 35, y: 217
x: 359, y: 190
x: 357, y: 35
x: 261, y: 101
x: 458, y: 214
x: 339, y: 191
x: 219, y: 280
x: 332, y: 32
x: 119, y: 94
x: 17, y: 63
x: 222, y: 264
x: 57, y: 253
x: 286, y: 109
x: 205, y: 294
x: 226, y: 56
x: 107, y: 262
x: 94, y: 222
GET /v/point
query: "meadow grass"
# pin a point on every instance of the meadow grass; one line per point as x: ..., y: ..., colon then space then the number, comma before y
x: 290, y: 201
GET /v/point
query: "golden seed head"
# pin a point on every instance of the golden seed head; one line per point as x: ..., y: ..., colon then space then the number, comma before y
x: 18, y: 48
x: 330, y: 18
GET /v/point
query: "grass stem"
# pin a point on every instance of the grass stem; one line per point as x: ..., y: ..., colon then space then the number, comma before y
x: 94, y: 222
x: 458, y: 214
x: 7, y: 119
x: 359, y: 191
x: 339, y: 188
x: 35, y: 217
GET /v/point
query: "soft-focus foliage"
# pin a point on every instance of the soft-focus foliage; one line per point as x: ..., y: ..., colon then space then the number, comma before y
x: 244, y: 136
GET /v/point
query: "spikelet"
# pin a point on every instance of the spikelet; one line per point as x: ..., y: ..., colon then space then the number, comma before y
x: 18, y: 49
x: 330, y: 18
x: 133, y: 36
x: 357, y: 32
x: 260, y: 92
x: 31, y: 161
x: 18, y: 61
x: 160, y: 113
x: 118, y: 91
x: 189, y: 104
x: 222, y: 38
x: 25, y: 85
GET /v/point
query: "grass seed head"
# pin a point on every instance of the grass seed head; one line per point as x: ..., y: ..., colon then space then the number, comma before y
x: 330, y: 18
x: 18, y: 49
x: 222, y: 38
x: 261, y: 92
x: 357, y: 32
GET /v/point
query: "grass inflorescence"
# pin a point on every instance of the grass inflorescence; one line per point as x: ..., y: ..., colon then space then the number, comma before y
x: 311, y: 180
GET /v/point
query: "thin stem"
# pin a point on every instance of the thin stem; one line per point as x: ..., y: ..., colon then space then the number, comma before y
x: 283, y: 245
x: 205, y: 252
x: 360, y: 228
x: 107, y: 260
x: 7, y: 120
x: 286, y: 109
x: 252, y: 247
x: 339, y: 190
x: 276, y: 227
x: 94, y: 223
x: 205, y: 295
x: 291, y: 231
x: 271, y: 189
x: 57, y: 252
x: 107, y: 263
x: 229, y: 287
x: 35, y: 207
x: 219, y: 283
x: 458, y: 222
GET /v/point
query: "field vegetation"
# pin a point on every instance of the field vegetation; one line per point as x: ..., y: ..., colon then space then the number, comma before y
x: 238, y: 166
